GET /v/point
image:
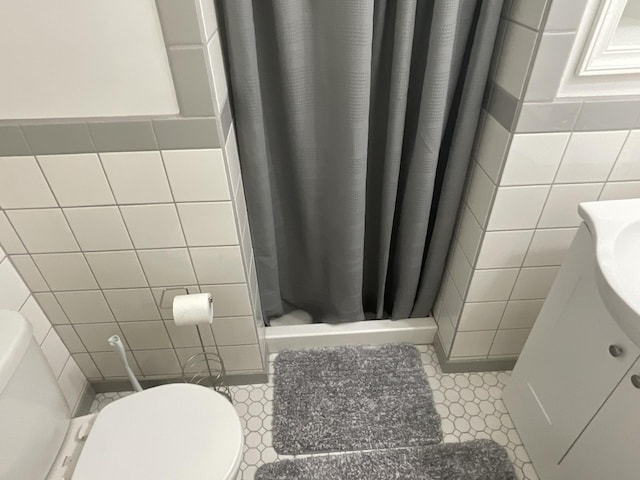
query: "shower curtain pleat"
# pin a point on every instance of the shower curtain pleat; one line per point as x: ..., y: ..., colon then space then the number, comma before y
x: 354, y: 123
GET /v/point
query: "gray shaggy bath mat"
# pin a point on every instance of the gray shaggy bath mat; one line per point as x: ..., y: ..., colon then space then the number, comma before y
x: 352, y: 398
x: 474, y: 460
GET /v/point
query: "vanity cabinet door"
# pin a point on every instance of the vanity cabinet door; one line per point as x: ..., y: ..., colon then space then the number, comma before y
x: 573, y: 360
x: 610, y: 445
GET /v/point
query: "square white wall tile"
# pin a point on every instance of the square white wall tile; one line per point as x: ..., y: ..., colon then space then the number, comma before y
x: 590, y: 156
x: 480, y: 194
x: 481, y: 316
x: 146, y: 335
x: 95, y: 335
x: 157, y: 362
x: 517, y: 207
x: 72, y: 383
x: 561, y: 209
x: 469, y: 234
x: 77, y: 180
x: 29, y: 273
x: 167, y: 267
x: 234, y: 331
x: 87, y: 366
x: 216, y: 61
x: 44, y: 230
x: 241, y: 357
x: 116, y: 269
x: 534, y: 282
x: 110, y: 364
x: 627, y: 166
x: 229, y: 300
x: 517, y: 50
x: 55, y: 352
x: 452, y: 301
x: 22, y: 184
x: 504, y: 249
x: 65, y: 271
x: 197, y: 175
x: 70, y: 338
x: 472, y: 344
x: 218, y: 264
x: 52, y: 308
x: 9, y: 240
x: 492, y: 147
x: 446, y: 332
x: 207, y: 224
x: 98, y: 228
x: 137, y: 177
x: 132, y: 304
x: 549, y: 246
x: 521, y: 313
x: 459, y: 269
x: 620, y: 190
x: 491, y: 285
x: 185, y: 336
x: 534, y: 158
x: 233, y: 158
x: 37, y: 318
x: 153, y: 226
x: 509, y: 342
x: 85, y: 307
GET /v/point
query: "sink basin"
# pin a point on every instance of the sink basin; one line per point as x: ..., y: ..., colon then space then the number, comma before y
x: 615, y: 226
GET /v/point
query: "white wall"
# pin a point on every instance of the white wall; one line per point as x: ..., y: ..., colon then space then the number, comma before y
x: 83, y: 58
x: 14, y: 295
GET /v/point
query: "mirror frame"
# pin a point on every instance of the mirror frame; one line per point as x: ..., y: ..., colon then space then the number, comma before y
x: 599, y: 58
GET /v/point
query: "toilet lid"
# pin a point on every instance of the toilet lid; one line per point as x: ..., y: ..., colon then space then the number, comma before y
x: 169, y: 432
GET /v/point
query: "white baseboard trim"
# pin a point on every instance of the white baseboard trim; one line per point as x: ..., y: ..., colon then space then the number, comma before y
x: 418, y: 331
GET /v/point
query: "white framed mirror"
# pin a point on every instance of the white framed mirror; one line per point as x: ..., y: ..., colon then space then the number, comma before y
x: 605, y: 56
x: 614, y: 46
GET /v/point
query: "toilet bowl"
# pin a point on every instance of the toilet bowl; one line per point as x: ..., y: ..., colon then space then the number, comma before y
x: 175, y: 431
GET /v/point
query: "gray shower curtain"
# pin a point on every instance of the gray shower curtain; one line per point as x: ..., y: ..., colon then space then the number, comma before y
x: 355, y: 121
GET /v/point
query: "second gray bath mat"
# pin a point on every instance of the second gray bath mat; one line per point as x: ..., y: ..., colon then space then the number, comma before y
x: 474, y: 460
x: 352, y: 398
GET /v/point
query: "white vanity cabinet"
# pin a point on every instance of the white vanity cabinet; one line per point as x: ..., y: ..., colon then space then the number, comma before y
x: 574, y: 359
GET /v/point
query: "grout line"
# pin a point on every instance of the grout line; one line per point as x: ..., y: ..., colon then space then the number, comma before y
x: 116, y: 203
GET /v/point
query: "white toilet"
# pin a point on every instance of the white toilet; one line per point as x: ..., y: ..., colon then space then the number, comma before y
x: 176, y: 431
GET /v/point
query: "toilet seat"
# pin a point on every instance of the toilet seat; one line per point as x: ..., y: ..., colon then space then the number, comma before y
x: 172, y: 432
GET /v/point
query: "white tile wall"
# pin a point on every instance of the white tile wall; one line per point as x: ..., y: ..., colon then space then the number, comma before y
x: 504, y: 249
x: 590, y: 156
x: 561, y: 209
x: 22, y: 184
x: 170, y: 222
x: 76, y: 180
x: 98, y: 228
x: 517, y: 207
x: 534, y: 158
x: 137, y: 177
x: 520, y: 214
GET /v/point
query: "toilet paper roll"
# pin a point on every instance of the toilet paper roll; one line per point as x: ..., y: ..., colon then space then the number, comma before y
x: 196, y: 309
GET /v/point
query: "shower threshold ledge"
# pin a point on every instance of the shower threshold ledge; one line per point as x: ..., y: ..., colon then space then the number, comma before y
x: 418, y: 331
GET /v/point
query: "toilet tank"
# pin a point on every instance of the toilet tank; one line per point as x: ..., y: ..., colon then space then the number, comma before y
x: 34, y: 415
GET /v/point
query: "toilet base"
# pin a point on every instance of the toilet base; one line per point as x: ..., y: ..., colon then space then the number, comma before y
x: 69, y: 453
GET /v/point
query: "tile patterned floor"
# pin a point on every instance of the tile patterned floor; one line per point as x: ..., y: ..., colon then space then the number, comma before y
x: 470, y: 405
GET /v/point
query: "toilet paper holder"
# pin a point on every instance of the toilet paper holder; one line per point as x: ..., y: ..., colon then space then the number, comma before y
x: 206, y: 367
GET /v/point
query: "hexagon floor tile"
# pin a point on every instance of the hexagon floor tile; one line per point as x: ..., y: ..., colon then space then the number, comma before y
x: 470, y: 405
